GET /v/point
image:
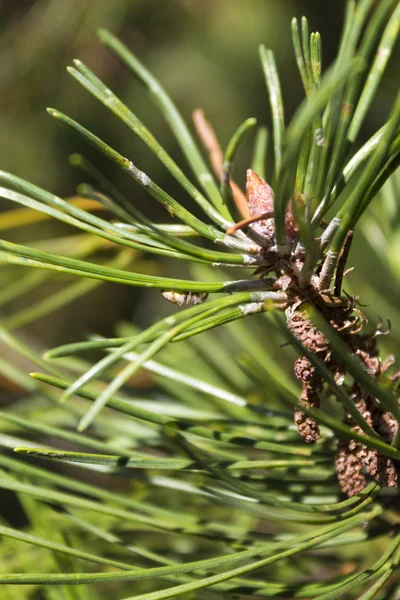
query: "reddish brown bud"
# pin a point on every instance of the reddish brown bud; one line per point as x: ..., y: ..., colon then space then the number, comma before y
x: 260, y: 197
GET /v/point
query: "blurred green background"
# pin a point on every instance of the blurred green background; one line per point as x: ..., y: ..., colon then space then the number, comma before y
x: 205, y: 53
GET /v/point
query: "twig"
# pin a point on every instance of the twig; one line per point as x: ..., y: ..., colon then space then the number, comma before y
x: 249, y: 221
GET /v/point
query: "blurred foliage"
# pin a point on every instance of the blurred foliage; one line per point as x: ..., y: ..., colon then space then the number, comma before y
x: 203, y: 51
x: 214, y: 44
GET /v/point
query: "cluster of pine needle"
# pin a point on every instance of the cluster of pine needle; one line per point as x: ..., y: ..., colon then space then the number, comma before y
x: 262, y: 459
